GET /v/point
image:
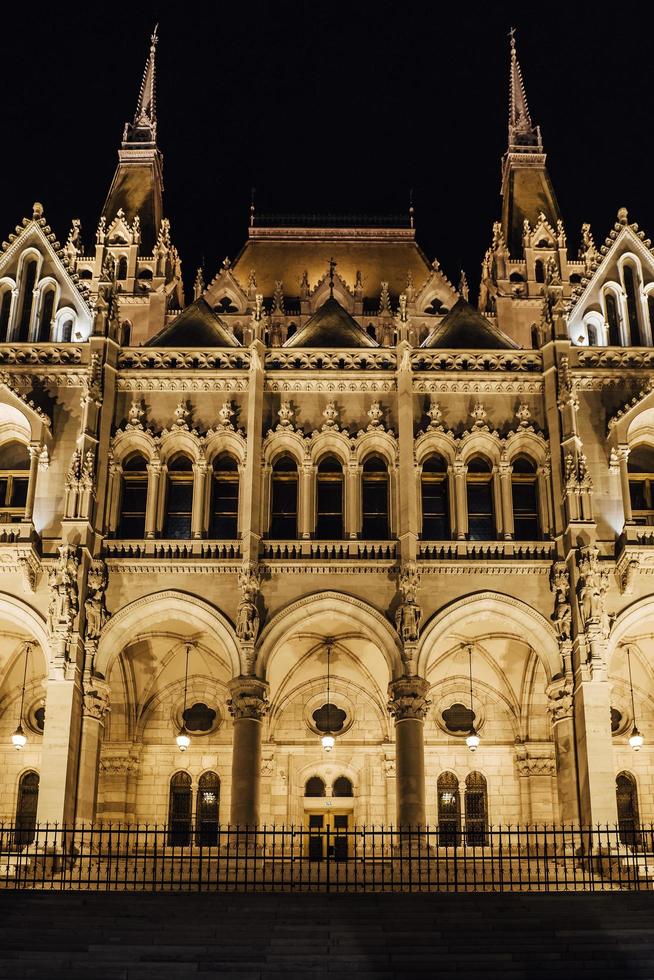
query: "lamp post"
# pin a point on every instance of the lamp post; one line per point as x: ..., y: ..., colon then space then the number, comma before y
x: 472, y: 740
x: 19, y: 738
x: 328, y: 740
x: 635, y: 739
x: 183, y: 739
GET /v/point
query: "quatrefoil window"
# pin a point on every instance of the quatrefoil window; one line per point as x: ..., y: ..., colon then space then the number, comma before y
x: 458, y: 718
x: 199, y: 717
x: 329, y: 718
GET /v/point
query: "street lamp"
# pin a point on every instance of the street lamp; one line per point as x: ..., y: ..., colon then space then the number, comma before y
x: 183, y: 739
x: 19, y: 738
x: 472, y: 740
x: 635, y: 739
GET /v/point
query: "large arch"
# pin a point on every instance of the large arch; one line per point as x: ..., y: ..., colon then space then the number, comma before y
x: 147, y: 612
x: 19, y: 612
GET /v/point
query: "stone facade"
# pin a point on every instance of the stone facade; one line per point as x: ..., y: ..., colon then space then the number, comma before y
x: 321, y: 455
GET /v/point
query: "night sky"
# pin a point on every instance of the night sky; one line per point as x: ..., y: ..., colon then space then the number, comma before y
x: 326, y: 108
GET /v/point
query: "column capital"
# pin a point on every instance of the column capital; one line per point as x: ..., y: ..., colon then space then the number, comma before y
x: 97, y: 700
x: 560, y: 702
x: 248, y: 698
x: 407, y: 698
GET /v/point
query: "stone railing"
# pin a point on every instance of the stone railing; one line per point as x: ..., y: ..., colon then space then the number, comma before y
x: 485, y: 551
x: 306, y: 550
x: 203, y: 550
x: 35, y: 354
x: 612, y: 357
x: 381, y: 358
x: 453, y: 360
x: 153, y: 358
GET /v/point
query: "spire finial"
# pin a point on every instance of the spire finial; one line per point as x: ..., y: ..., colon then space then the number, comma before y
x: 522, y: 133
x: 144, y: 127
x: 332, y: 267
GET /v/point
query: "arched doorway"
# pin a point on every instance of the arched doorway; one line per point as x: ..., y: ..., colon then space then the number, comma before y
x: 627, y: 800
x: 28, y: 798
x: 179, y: 811
x: 207, y: 809
x: 449, y: 810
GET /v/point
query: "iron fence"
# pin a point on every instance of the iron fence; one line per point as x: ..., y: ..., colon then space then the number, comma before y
x: 209, y: 857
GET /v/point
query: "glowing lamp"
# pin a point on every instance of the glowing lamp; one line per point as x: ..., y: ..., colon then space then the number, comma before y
x: 183, y: 740
x: 328, y: 742
x: 636, y: 740
x: 472, y: 741
x: 19, y: 738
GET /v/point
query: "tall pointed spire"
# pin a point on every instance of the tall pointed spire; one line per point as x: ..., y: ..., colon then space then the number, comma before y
x: 522, y: 132
x: 144, y: 127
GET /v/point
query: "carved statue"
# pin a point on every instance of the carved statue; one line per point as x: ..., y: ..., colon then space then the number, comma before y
x: 592, y: 590
x: 560, y: 586
x: 247, y: 621
x: 94, y: 607
x: 62, y: 580
x: 407, y: 621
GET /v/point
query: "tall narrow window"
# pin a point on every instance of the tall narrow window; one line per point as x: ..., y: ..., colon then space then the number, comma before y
x: 179, y: 498
x: 481, y: 516
x: 449, y: 810
x: 67, y: 331
x: 613, y: 320
x: 28, y: 281
x: 121, y: 268
x: 329, y: 522
x: 476, y: 807
x: 283, y: 522
x: 633, y: 303
x: 134, y: 498
x: 5, y: 310
x: 641, y: 484
x: 539, y: 270
x: 224, y: 498
x: 342, y: 786
x: 375, y: 499
x: 45, y: 317
x: 206, y: 815
x: 179, y: 810
x: 314, y: 786
x: 14, y: 478
x: 627, y: 800
x: 28, y: 798
x: 435, y: 500
x: 524, y: 489
x: 592, y: 335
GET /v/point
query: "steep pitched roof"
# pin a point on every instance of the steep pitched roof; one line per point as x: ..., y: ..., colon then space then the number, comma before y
x: 464, y: 328
x: 196, y: 326
x: 331, y: 326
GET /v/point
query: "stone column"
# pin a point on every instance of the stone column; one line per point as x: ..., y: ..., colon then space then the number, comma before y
x: 535, y: 774
x: 623, y: 459
x: 34, y: 450
x: 95, y: 705
x: 408, y: 705
x: 592, y: 707
x: 306, y: 501
x: 199, y: 494
x: 119, y: 779
x: 561, y: 709
x: 506, y: 494
x: 248, y: 704
x: 152, y: 501
x: 353, y: 504
x: 60, y: 750
x: 460, y: 499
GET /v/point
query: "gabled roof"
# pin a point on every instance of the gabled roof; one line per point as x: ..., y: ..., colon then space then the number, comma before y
x: 196, y: 326
x: 331, y: 326
x: 464, y: 328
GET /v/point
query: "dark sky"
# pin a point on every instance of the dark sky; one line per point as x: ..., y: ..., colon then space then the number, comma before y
x: 327, y: 107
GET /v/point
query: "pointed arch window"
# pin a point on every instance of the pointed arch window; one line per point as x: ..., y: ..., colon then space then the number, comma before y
x: 224, y: 498
x: 26, y: 806
x: 632, y: 290
x: 539, y: 270
x: 627, y: 801
x: 435, y: 499
x: 329, y: 500
x: 375, y: 499
x: 342, y: 787
x: 121, y: 268
x: 449, y: 810
x: 27, y: 284
x: 179, y: 498
x: 5, y: 312
x: 67, y: 331
x: 45, y: 317
x: 314, y: 786
x: 14, y: 480
x: 476, y: 808
x: 524, y: 490
x: 613, y: 320
x: 481, y: 511
x: 641, y: 484
x: 207, y: 809
x: 179, y: 810
x: 283, y: 523
x: 134, y: 497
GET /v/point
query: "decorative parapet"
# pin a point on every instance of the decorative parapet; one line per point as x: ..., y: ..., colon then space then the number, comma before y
x: 379, y: 359
x: 456, y: 360
x: 635, y: 556
x: 19, y: 556
x: 156, y: 358
x: 41, y: 354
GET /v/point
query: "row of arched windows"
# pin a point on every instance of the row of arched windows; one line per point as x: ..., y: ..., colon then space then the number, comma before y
x: 475, y: 809
x: 183, y: 820
x: 330, y: 515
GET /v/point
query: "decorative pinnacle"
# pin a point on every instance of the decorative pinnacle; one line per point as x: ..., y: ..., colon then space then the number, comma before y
x: 144, y: 127
x: 332, y: 267
x: 522, y: 132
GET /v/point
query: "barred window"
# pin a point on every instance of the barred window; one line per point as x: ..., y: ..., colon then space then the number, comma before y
x: 134, y: 497
x: 435, y: 500
x: 449, y: 810
x: 476, y: 808
x: 28, y: 798
x: 179, y: 810
x: 329, y: 520
x: 224, y: 498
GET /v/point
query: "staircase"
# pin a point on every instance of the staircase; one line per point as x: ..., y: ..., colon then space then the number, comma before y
x: 121, y: 936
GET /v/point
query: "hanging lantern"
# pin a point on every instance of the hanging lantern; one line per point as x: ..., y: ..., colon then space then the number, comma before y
x: 19, y: 738
x: 636, y: 740
x: 472, y: 741
x: 183, y: 739
x: 328, y: 741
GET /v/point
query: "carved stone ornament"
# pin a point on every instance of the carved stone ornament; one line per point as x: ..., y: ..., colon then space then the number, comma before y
x: 435, y: 415
x: 536, y: 766
x: 94, y: 607
x: 592, y: 590
x: 560, y: 701
x: 249, y: 698
x: 182, y: 415
x: 560, y: 586
x: 62, y: 583
x: 408, y: 614
x: 330, y: 415
x: 629, y: 577
x: 96, y: 702
x: 247, y: 616
x: 480, y: 415
x: 135, y: 416
x: 376, y: 415
x: 285, y: 414
x: 119, y: 765
x: 225, y: 416
x: 407, y: 698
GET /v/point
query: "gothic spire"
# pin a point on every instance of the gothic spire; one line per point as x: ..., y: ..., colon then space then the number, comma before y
x: 522, y: 132
x: 143, y: 129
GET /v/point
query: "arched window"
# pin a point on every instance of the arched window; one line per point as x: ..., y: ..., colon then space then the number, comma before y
x: 179, y: 498
x: 45, y: 318
x: 14, y: 479
x: 481, y: 514
x: 631, y: 289
x: 314, y: 786
x: 539, y: 270
x: 613, y: 320
x: 476, y: 807
x: 125, y: 333
x: 28, y: 798
x: 449, y: 810
x: 375, y: 499
x: 641, y: 484
x: 627, y: 800
x: 207, y: 809
x: 342, y: 786
x: 5, y: 310
x: 179, y: 810
x: 224, y: 498
x: 435, y: 500
x: 524, y: 489
x: 283, y: 522
x: 329, y: 500
x: 67, y: 331
x: 592, y: 335
x: 28, y: 281
x: 121, y: 268
x: 371, y: 331
x: 291, y: 330
x: 134, y: 497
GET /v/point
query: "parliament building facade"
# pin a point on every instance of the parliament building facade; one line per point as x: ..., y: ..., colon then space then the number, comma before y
x: 327, y: 497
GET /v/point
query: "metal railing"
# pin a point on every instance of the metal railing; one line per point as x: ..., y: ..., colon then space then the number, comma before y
x: 209, y: 857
